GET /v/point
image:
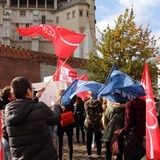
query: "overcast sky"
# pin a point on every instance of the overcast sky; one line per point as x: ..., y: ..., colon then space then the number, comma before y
x: 145, y: 11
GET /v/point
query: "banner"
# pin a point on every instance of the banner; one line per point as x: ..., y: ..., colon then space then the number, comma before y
x: 152, y: 128
x: 49, y: 96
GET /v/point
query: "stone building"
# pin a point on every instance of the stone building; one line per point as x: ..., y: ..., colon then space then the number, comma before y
x: 34, y: 57
x: 76, y: 15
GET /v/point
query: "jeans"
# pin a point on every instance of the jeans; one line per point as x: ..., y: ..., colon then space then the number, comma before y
x: 79, y: 126
x: 59, y: 139
x: 98, y: 137
x: 6, y: 148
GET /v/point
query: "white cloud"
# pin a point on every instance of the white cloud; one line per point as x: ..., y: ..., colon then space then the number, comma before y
x: 102, y: 8
x: 142, y: 8
x: 108, y: 20
x: 143, y: 11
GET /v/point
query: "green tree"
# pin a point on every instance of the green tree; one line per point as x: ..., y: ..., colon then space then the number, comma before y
x: 128, y: 46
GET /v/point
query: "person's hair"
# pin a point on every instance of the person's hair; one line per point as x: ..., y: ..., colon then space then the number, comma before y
x: 19, y: 86
x: 59, y: 93
x: 79, y: 100
x: 5, y: 94
x: 90, y: 94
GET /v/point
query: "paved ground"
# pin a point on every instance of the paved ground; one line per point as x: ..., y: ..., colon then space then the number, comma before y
x: 80, y: 152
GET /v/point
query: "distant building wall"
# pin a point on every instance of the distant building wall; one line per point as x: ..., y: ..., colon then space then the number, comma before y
x: 33, y: 65
x: 10, y: 69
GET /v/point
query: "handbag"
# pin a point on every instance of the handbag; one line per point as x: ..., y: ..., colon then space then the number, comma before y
x: 116, y: 145
x: 67, y: 118
x: 133, y: 148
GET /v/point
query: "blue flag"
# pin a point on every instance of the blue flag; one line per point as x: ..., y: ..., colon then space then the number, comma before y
x: 65, y: 95
x: 78, y: 86
x: 114, y: 67
x: 108, y: 80
x: 121, y: 88
x: 88, y: 86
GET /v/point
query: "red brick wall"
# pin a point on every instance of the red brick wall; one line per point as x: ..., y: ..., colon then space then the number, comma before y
x: 10, y: 68
x: 20, y: 62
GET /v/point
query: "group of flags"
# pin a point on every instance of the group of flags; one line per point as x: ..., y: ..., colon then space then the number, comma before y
x: 118, y: 86
x: 64, y: 72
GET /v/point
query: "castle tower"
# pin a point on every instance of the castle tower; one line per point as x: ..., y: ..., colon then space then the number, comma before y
x: 76, y: 15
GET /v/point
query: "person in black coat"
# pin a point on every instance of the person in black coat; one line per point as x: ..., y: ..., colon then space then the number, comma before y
x: 60, y: 130
x: 79, y: 118
x: 27, y: 123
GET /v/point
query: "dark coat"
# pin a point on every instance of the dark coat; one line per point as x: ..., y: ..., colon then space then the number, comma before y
x: 58, y: 128
x: 27, y: 123
x: 93, y: 121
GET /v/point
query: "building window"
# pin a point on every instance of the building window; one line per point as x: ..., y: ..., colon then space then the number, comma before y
x: 57, y: 19
x: 43, y: 19
x: 20, y: 38
x: 22, y: 13
x: 32, y: 3
x: 23, y: 3
x: 17, y: 25
x: 27, y: 24
x: 73, y: 14
x: 80, y: 13
x: 68, y: 16
x: 87, y: 13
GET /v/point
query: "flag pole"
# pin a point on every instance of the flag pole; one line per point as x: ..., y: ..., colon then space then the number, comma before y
x: 56, y: 71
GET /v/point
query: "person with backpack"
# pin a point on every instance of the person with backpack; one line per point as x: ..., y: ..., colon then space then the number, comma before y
x: 93, y: 124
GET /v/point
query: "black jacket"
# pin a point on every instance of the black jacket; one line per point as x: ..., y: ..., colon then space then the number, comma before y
x: 27, y: 123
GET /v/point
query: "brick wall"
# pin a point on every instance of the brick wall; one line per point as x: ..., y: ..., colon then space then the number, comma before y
x: 33, y: 65
x: 10, y: 69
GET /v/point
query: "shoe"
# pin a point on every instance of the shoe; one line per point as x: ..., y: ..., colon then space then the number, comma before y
x: 93, y: 145
x: 99, y: 158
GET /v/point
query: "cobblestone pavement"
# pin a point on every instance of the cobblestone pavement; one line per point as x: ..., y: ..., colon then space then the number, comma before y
x: 80, y: 151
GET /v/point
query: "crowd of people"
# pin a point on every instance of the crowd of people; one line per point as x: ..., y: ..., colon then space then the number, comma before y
x: 29, y: 125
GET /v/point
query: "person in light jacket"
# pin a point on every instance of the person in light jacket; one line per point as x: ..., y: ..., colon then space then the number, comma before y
x: 114, y: 119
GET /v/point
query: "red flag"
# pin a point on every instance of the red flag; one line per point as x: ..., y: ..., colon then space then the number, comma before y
x: 1, y: 149
x: 152, y: 128
x: 64, y: 40
x: 83, y: 95
x: 65, y: 72
x: 84, y: 77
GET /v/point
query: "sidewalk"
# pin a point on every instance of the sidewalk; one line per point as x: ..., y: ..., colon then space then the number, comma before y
x: 80, y: 151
